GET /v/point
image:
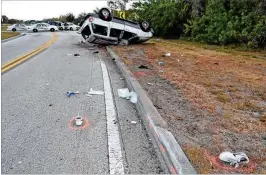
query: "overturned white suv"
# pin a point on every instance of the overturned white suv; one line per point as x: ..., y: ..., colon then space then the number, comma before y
x: 103, y: 28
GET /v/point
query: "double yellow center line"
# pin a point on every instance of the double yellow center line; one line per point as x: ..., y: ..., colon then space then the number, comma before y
x: 9, y: 65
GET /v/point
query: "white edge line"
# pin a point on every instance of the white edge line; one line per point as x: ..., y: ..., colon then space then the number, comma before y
x: 114, y: 146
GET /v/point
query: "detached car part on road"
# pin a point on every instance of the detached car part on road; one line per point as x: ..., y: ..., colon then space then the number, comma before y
x: 42, y: 27
x: 17, y: 27
x: 103, y: 28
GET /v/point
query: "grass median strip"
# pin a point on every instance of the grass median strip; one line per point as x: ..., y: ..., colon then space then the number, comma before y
x: 9, y: 65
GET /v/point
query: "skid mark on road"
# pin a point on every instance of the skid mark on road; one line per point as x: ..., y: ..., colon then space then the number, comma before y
x: 114, y: 145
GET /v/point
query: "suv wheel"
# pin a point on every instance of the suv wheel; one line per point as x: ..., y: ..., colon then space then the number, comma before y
x: 105, y: 14
x: 145, y: 26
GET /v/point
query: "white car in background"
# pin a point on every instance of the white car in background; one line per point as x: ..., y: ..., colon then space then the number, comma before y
x: 17, y: 27
x: 71, y: 26
x: 42, y: 27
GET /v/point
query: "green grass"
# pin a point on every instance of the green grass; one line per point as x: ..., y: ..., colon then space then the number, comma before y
x: 5, y: 35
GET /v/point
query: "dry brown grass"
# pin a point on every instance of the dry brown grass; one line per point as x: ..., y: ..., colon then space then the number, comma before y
x: 5, y: 35
x: 210, y: 79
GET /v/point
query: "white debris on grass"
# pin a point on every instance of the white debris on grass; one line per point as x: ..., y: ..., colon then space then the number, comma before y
x: 167, y: 54
x: 234, y: 158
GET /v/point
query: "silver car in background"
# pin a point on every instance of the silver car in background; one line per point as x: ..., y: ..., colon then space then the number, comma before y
x: 17, y: 27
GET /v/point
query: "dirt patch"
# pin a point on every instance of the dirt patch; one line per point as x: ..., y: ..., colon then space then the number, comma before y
x: 212, y: 101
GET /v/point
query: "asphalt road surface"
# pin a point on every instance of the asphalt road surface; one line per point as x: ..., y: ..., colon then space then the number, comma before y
x: 38, y: 136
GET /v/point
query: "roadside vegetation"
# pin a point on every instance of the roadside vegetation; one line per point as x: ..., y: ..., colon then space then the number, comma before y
x: 218, y: 22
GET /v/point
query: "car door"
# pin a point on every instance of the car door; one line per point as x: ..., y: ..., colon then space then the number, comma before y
x: 22, y: 27
x: 117, y: 28
x: 39, y: 27
x: 45, y: 27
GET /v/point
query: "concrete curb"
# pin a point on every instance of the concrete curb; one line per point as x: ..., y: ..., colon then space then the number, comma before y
x: 12, y: 38
x: 175, y: 159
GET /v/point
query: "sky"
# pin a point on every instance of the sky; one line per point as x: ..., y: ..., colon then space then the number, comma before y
x: 38, y: 10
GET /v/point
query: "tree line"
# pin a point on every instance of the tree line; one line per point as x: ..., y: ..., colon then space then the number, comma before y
x: 220, y: 22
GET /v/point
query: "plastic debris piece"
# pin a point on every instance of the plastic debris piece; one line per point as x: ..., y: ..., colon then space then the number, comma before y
x: 91, y: 48
x: 50, y: 104
x: 133, y: 97
x: 182, y: 55
x: 160, y: 63
x: 150, y: 84
x: 143, y: 67
x: 47, y: 84
x: 123, y: 93
x: 96, y: 52
x: 234, y: 158
x: 121, y: 78
x: 160, y: 71
x: 177, y: 60
x: 94, y: 92
x: 69, y: 54
x: 78, y: 120
x: 19, y: 162
x: 133, y: 122
x: 167, y: 54
x: 69, y: 93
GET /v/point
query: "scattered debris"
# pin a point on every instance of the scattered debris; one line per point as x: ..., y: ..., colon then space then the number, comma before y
x: 133, y: 97
x: 150, y: 84
x: 96, y: 52
x: 50, y: 104
x: 160, y: 71
x: 160, y: 63
x: 122, y: 78
x: 47, y: 84
x: 177, y: 60
x: 167, y: 54
x: 93, y: 92
x: 76, y: 55
x: 143, y: 67
x: 78, y: 120
x: 91, y: 48
x: 113, y: 59
x: 115, y: 121
x: 69, y: 93
x: 234, y: 158
x: 69, y: 54
x: 19, y: 162
x: 256, y: 114
x: 182, y: 55
x: 133, y: 122
x: 216, y: 63
x: 124, y: 93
